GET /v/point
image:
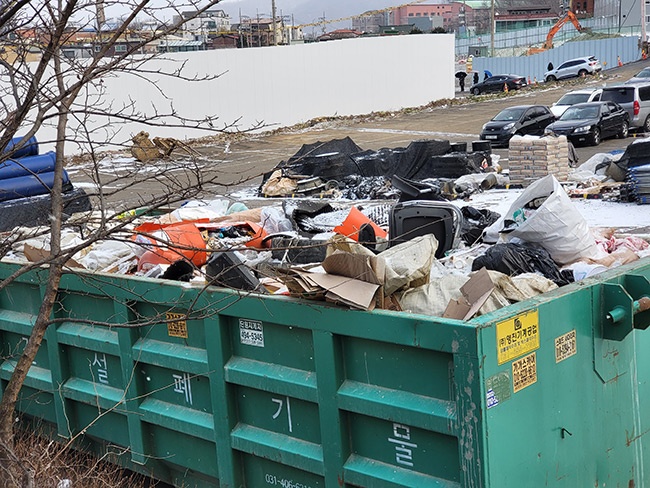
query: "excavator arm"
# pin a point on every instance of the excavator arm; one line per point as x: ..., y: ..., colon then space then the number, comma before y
x: 569, y: 16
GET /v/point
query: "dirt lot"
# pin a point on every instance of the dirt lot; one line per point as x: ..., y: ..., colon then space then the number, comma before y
x: 240, y: 162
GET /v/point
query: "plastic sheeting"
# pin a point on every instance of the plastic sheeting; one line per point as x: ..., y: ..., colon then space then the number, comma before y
x: 555, y: 225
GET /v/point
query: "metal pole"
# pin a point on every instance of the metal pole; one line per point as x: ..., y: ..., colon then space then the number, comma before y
x: 275, y: 27
x: 493, y: 28
x: 643, y: 20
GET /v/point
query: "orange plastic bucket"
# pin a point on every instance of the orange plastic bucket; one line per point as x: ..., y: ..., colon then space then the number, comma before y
x: 173, y: 242
x: 353, y: 222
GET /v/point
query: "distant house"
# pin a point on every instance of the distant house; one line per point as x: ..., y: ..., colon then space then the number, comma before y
x: 223, y: 41
x: 212, y: 21
x: 264, y: 32
x: 475, y: 15
x: 173, y: 44
x: 339, y: 34
x: 24, y: 44
x: 429, y: 16
x: 78, y: 51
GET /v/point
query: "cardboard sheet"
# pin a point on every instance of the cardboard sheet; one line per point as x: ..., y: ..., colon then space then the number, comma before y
x: 361, y: 267
x: 338, y: 289
x: 475, y: 293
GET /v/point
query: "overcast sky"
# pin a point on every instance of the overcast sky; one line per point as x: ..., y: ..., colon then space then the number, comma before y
x: 305, y: 11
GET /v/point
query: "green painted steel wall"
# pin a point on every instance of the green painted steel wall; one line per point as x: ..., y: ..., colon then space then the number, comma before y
x: 270, y: 391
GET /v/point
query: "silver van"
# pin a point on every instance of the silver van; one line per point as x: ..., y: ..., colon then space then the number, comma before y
x: 635, y: 99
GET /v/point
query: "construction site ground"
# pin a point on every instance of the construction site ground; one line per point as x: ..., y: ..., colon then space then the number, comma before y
x: 239, y: 162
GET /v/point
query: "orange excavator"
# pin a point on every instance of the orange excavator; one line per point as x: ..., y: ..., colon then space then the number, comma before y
x: 548, y: 44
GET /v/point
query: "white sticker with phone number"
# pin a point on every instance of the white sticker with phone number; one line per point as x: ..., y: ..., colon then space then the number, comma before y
x: 251, y: 332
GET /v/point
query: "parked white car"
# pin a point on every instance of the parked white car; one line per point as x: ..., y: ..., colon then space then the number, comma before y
x: 573, y: 97
x: 587, y: 65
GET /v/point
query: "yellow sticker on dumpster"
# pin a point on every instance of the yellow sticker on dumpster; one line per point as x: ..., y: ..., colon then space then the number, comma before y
x: 517, y: 336
x: 524, y: 372
x: 176, y: 326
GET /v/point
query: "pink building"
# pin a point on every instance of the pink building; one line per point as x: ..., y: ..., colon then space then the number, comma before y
x: 449, y: 12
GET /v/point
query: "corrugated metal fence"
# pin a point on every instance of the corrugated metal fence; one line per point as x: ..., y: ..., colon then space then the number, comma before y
x: 519, y: 40
x: 607, y: 51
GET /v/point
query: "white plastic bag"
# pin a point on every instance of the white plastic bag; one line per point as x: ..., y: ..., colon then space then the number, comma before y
x: 556, y: 225
x: 273, y: 220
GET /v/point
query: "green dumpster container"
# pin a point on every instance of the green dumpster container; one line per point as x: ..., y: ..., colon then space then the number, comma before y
x: 219, y: 388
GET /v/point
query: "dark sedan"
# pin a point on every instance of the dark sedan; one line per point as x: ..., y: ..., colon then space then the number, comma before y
x: 519, y: 120
x: 591, y: 122
x: 497, y: 83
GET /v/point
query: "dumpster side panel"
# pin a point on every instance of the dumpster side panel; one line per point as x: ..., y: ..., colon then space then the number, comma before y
x: 207, y: 387
x: 565, y: 409
x: 211, y: 388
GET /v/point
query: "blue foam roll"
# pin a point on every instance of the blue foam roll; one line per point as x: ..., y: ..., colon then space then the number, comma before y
x: 30, y: 148
x: 13, y: 168
x: 29, y: 186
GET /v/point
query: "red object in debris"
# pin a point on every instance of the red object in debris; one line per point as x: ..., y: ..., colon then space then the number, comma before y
x: 258, y: 236
x: 257, y: 233
x: 170, y: 243
x: 353, y: 222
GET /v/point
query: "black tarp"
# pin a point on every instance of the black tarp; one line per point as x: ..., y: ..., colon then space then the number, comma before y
x: 636, y: 154
x: 327, y: 160
x: 452, y: 165
x: 339, y: 159
x: 405, y: 162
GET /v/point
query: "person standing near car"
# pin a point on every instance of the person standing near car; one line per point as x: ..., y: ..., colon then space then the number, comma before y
x: 475, y: 77
x: 549, y: 67
x: 461, y: 75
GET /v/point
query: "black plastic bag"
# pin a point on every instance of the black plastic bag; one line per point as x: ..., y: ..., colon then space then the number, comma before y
x: 474, y: 222
x: 515, y: 259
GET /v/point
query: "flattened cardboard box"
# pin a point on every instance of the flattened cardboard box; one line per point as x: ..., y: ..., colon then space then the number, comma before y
x: 475, y: 293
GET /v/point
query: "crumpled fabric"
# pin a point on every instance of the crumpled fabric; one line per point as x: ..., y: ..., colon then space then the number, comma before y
x: 432, y: 298
x: 631, y: 242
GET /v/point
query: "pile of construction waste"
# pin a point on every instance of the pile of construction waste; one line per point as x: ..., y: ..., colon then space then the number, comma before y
x: 417, y: 252
x: 341, y: 169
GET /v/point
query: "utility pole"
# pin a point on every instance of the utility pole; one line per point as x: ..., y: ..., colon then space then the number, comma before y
x: 619, y: 15
x: 493, y: 29
x: 101, y: 15
x: 643, y: 29
x: 274, y: 25
x: 241, y: 41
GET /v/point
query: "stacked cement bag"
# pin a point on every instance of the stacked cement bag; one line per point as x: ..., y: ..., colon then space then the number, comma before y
x: 28, y: 173
x: 531, y: 158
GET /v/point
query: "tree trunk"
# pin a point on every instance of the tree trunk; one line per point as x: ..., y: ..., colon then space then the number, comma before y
x: 12, y: 472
